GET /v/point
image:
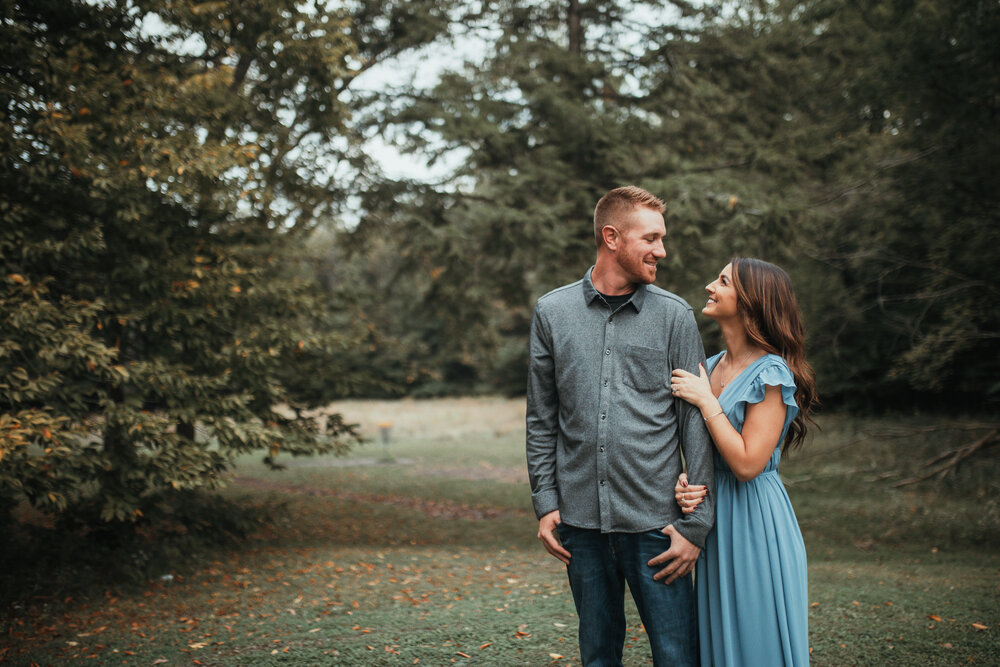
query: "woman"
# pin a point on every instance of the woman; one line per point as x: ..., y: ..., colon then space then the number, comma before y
x: 755, y: 395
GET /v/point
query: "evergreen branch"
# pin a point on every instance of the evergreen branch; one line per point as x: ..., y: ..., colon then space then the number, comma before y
x: 896, y: 262
x: 717, y: 167
x: 880, y: 167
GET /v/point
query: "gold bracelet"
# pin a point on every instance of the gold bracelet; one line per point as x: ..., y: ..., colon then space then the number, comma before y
x: 710, y: 416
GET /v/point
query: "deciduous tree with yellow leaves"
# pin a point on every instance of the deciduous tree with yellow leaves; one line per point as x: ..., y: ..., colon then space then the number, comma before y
x: 162, y: 163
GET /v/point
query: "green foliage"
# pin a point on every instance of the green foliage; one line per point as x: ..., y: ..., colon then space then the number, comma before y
x: 168, y: 168
x: 162, y: 164
x: 851, y: 143
x: 915, y: 238
x: 546, y: 133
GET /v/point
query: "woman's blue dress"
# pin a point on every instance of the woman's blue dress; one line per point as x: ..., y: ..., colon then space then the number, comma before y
x: 751, y: 579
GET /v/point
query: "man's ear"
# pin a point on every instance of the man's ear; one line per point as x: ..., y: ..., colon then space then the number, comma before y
x: 611, y: 237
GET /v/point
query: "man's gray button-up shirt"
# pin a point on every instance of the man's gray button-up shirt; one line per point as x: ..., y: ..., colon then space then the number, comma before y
x: 604, y: 433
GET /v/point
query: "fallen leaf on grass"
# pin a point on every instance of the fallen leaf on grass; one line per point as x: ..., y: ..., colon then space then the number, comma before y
x: 464, y: 655
x: 555, y: 656
x: 934, y: 617
x: 979, y: 626
x: 486, y: 644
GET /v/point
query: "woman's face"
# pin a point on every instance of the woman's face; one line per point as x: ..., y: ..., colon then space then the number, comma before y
x: 722, y: 301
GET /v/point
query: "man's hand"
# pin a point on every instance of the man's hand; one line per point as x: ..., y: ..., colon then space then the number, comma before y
x: 547, y: 534
x: 680, y: 557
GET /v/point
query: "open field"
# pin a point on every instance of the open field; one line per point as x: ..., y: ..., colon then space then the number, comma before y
x: 430, y: 559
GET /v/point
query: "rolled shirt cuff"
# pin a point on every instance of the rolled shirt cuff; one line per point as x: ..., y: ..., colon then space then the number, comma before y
x: 545, y: 501
x: 693, y: 531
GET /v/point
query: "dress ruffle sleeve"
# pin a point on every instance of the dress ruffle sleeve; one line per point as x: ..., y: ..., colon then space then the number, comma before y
x: 774, y: 373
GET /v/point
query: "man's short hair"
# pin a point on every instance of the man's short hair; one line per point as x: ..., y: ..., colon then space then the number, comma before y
x: 616, y: 207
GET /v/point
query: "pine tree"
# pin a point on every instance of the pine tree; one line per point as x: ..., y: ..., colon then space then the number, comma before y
x: 547, y: 121
x: 912, y: 233
x: 850, y: 143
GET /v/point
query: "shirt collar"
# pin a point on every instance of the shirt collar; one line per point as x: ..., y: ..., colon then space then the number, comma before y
x: 590, y: 292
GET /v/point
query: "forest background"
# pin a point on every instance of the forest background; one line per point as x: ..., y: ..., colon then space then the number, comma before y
x: 233, y: 230
x: 200, y: 247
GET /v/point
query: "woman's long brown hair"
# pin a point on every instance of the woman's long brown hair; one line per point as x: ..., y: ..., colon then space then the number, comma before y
x: 771, y: 317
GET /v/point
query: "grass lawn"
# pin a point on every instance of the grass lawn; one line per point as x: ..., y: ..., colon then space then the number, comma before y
x: 430, y: 558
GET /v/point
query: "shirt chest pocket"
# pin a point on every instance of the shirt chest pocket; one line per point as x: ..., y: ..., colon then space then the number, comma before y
x: 644, y: 368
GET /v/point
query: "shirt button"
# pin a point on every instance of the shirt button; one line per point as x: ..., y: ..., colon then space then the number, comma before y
x: 602, y: 482
x: 607, y: 351
x: 605, y: 382
x: 603, y: 416
x: 602, y: 448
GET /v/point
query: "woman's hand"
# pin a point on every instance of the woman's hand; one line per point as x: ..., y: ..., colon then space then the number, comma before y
x: 695, y: 389
x: 689, y: 496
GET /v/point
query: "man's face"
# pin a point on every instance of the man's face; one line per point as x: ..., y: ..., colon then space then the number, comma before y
x: 641, y: 246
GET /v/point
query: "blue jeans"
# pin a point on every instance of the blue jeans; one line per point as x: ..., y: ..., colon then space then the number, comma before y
x: 600, y: 566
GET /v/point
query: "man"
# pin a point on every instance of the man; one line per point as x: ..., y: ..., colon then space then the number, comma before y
x: 604, y: 438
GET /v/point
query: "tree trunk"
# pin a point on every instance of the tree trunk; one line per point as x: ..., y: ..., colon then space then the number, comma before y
x: 186, y: 430
x: 573, y: 26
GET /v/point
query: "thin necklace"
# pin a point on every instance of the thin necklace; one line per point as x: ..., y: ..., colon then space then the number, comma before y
x: 723, y: 382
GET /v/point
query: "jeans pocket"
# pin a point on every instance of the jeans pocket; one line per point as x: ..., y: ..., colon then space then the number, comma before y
x: 562, y: 532
x: 660, y: 541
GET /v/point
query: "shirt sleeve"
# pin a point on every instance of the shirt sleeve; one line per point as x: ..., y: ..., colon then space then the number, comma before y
x: 696, y: 443
x: 542, y: 421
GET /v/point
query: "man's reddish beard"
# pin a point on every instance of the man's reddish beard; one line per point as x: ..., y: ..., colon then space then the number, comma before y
x: 636, y: 269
